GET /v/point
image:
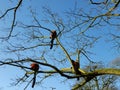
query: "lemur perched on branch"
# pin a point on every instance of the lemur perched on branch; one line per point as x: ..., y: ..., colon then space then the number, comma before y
x: 76, y: 66
x: 52, y: 37
x: 35, y: 68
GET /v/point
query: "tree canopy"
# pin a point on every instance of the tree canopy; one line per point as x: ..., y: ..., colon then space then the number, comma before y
x: 67, y: 39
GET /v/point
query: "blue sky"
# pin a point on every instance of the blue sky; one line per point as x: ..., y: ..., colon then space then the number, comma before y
x: 103, y: 50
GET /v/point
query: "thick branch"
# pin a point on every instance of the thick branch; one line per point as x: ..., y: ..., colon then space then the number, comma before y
x: 89, y: 76
x: 106, y: 71
x: 56, y: 70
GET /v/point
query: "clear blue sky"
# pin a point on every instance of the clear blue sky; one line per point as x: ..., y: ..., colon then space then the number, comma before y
x: 102, y: 50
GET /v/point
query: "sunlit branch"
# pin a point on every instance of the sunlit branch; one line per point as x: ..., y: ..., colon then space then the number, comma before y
x: 78, y: 56
x: 55, y: 68
x: 12, y: 63
x: 91, y: 75
x: 66, y: 53
x: 114, y: 7
x: 86, y: 75
x: 82, y: 83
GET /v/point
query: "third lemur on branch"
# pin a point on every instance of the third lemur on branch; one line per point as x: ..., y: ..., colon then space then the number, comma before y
x: 52, y: 37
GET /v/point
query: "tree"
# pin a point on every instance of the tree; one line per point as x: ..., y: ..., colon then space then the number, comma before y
x: 27, y: 39
x: 105, y: 82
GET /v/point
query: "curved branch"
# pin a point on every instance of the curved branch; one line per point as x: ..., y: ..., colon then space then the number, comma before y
x: 114, y: 7
x: 105, y: 71
x: 65, y: 51
x: 14, y: 16
x: 56, y: 70
x: 82, y: 83
x: 89, y: 76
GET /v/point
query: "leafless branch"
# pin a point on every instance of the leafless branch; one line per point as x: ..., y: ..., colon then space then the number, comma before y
x: 14, y: 16
x: 98, y: 3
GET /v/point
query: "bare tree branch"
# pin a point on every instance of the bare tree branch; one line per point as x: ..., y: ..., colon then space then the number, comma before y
x: 14, y: 16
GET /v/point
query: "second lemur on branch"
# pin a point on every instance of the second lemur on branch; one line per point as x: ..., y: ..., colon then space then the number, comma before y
x: 35, y: 68
x: 52, y: 37
x: 76, y: 66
